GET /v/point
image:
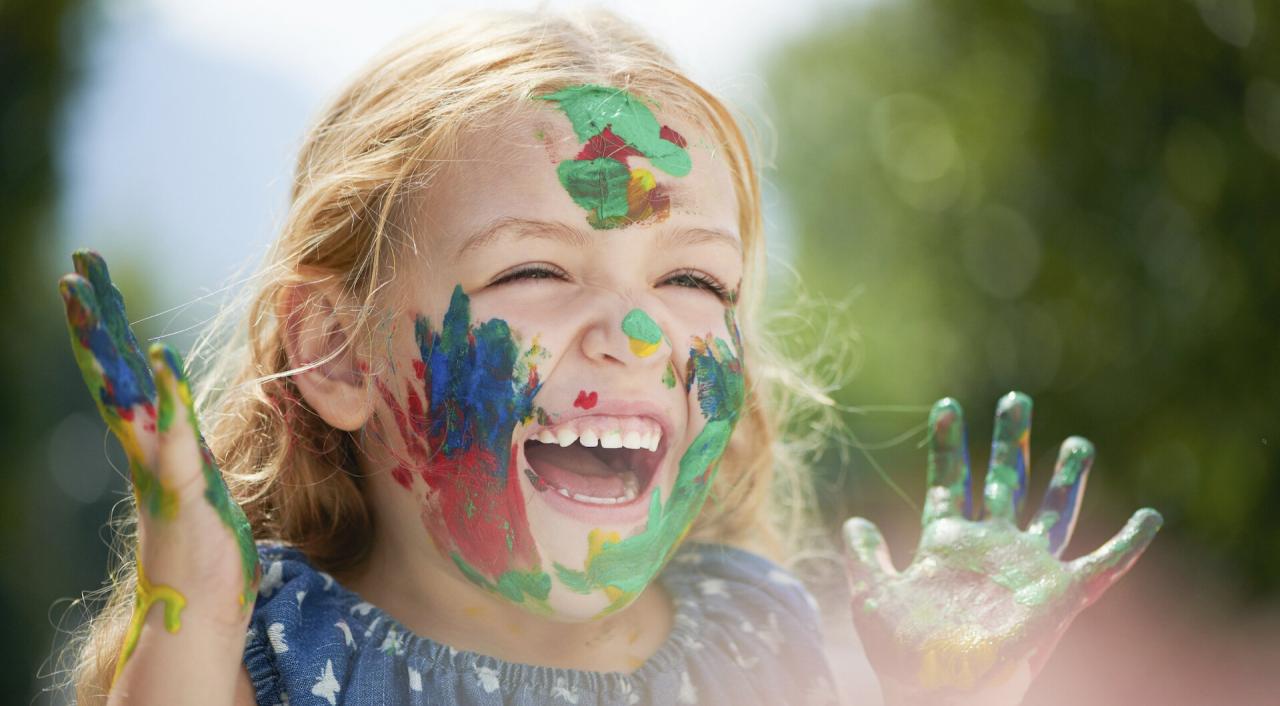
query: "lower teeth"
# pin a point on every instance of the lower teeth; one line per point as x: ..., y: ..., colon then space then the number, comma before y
x: 630, y: 489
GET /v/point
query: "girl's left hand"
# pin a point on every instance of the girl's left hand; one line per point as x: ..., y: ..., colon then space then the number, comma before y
x: 982, y: 605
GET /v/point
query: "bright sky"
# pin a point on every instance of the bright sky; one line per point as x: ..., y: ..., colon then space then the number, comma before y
x: 180, y: 141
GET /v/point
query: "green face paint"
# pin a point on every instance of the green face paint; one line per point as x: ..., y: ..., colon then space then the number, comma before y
x: 623, y: 567
x: 613, y: 126
x: 643, y: 333
x: 669, y: 376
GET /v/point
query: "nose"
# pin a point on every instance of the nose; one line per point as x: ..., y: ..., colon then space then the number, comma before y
x: 625, y: 333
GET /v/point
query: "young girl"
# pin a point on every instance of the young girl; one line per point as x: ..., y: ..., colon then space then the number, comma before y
x: 496, y: 428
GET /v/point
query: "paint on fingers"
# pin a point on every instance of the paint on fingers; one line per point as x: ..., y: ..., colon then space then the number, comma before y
x: 174, y: 396
x: 93, y: 268
x: 1006, y: 482
x: 147, y: 595
x: 122, y: 396
x: 1061, y: 505
x: 948, y: 469
x: 1109, y: 562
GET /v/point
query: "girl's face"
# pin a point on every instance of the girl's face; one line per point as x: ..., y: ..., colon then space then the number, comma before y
x: 568, y: 376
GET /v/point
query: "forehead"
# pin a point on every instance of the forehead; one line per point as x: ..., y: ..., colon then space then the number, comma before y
x: 506, y: 168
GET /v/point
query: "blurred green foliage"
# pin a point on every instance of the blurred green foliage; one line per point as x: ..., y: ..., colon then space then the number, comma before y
x: 57, y: 481
x: 1075, y: 199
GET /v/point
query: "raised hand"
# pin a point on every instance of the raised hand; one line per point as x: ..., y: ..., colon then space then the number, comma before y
x: 982, y: 605
x: 195, y: 556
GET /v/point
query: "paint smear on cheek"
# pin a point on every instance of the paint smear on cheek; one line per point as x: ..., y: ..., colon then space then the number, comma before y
x: 669, y: 376
x: 472, y: 387
x: 615, y: 126
x: 623, y: 567
x: 586, y: 401
x: 643, y: 333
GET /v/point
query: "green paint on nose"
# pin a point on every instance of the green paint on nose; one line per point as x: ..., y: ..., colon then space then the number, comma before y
x: 641, y: 327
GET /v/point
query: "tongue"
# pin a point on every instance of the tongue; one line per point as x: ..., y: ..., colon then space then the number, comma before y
x: 577, y: 469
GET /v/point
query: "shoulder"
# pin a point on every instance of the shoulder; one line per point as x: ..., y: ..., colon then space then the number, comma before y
x: 302, y: 622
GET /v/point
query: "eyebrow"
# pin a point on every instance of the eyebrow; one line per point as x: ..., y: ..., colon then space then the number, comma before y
x: 518, y: 229
x: 521, y: 229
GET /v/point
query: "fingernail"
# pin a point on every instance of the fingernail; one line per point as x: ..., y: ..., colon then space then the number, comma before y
x: 89, y: 263
x: 946, y: 423
x: 1013, y: 415
x: 165, y: 379
x: 1076, y: 446
x: 163, y: 354
x: 1151, y: 518
x: 77, y: 295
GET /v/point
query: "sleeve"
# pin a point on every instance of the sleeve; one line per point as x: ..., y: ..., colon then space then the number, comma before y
x: 286, y: 644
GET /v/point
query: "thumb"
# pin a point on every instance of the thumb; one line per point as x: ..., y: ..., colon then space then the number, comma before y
x: 866, y: 556
x: 1099, y: 570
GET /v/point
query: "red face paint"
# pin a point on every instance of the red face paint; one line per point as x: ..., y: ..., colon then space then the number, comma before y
x: 456, y: 422
x: 586, y: 401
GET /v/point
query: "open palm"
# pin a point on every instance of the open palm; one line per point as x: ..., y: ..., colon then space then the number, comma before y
x: 983, y: 601
x: 195, y: 550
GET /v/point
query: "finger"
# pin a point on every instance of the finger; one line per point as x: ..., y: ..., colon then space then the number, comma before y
x: 185, y: 457
x: 1056, y: 519
x: 1097, y: 571
x: 866, y: 555
x: 178, y: 451
x: 92, y: 267
x: 1006, y: 481
x: 115, y: 389
x: 112, y: 383
x: 948, y: 494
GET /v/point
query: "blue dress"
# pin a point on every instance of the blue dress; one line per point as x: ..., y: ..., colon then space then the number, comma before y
x: 745, y: 632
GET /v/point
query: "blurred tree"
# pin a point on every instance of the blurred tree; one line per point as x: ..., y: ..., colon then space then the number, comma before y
x: 37, y: 55
x: 1075, y: 199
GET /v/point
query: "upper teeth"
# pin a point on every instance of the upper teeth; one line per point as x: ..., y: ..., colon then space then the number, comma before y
x: 605, y: 432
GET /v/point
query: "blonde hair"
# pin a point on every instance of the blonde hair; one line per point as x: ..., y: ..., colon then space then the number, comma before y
x: 382, y: 138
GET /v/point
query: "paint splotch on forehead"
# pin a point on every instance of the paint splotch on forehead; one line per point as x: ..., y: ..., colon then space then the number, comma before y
x: 472, y: 386
x: 643, y: 333
x: 623, y: 567
x: 614, y: 126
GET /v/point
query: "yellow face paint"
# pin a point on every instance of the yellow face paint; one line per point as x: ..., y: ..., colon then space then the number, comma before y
x: 642, y: 332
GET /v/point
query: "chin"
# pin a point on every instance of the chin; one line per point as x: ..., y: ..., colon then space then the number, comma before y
x: 590, y: 482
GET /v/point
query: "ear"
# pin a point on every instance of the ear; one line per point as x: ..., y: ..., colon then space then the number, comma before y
x: 317, y: 339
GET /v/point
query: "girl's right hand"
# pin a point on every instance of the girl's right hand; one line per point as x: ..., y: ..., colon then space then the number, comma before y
x: 196, y: 560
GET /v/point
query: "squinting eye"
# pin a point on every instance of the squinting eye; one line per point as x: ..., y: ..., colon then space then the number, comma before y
x: 530, y: 272
x: 694, y: 279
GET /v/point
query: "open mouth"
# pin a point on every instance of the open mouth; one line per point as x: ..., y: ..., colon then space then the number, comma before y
x: 600, y: 461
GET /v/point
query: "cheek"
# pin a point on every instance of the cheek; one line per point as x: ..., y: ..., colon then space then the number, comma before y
x: 699, y: 329
x: 448, y: 410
